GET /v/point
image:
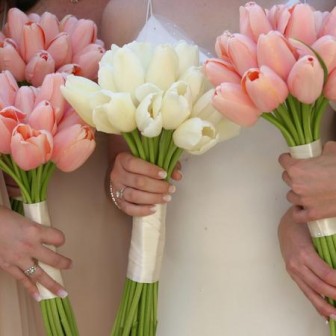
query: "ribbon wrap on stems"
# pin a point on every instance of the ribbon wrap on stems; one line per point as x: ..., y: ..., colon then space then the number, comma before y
x: 38, y: 212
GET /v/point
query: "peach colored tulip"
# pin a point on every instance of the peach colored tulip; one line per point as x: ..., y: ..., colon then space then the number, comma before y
x: 305, y: 81
x: 274, y: 51
x: 301, y: 24
x: 278, y: 16
x: 33, y: 40
x: 88, y: 60
x: 25, y: 98
x: 16, y: 20
x: 253, y: 21
x: 9, y: 117
x: 265, y: 88
x: 321, y: 22
x: 60, y: 49
x: 329, y: 89
x: 70, y: 69
x: 72, y: 147
x: 230, y: 100
x: 50, y: 91
x: 68, y: 24
x: 219, y: 71
x: 8, y: 87
x: 30, y: 148
x: 50, y: 25
x: 43, y: 117
x: 34, y: 17
x: 326, y: 48
x: 221, y: 44
x: 38, y: 67
x: 329, y: 24
x: 70, y: 117
x: 242, y: 52
x: 10, y: 59
x: 84, y: 33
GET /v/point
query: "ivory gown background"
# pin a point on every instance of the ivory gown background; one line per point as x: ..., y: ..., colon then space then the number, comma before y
x: 222, y: 269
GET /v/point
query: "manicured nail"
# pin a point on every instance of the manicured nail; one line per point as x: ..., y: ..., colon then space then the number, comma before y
x: 162, y: 174
x: 62, y: 293
x: 333, y: 317
x: 153, y: 209
x: 167, y: 198
x: 172, y: 189
x: 37, y: 297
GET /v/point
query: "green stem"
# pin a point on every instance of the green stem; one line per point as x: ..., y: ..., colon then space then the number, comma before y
x: 294, y: 108
x: 165, y: 139
x: 137, y: 139
x: 319, y: 112
x: 176, y: 156
x: 307, y: 126
x: 131, y: 144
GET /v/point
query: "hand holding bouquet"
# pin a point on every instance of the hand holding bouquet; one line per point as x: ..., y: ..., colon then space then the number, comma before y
x: 281, y: 67
x: 159, y: 100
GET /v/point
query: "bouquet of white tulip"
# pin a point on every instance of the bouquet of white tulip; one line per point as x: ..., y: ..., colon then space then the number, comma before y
x: 159, y: 100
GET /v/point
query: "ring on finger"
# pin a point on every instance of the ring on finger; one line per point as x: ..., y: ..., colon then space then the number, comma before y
x: 30, y: 270
x: 119, y: 194
x: 116, y: 195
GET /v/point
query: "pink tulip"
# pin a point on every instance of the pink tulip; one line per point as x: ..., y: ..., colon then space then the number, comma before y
x: 60, y: 49
x: 70, y: 117
x: 219, y: 71
x: 326, y: 48
x: 278, y: 16
x: 33, y: 40
x: 230, y: 100
x: 8, y: 87
x: 34, y: 17
x: 50, y: 91
x: 9, y: 118
x: 43, y: 117
x: 274, y: 51
x: 329, y: 26
x: 25, y: 98
x: 301, y: 24
x: 321, y: 22
x: 253, y: 21
x: 84, y: 33
x: 10, y: 59
x: 305, y: 81
x: 221, y: 44
x: 242, y: 52
x: 68, y: 24
x: 265, y: 88
x: 38, y: 67
x: 70, y: 69
x: 50, y: 25
x: 72, y: 147
x: 329, y: 90
x: 88, y: 60
x: 15, y: 22
x: 30, y: 148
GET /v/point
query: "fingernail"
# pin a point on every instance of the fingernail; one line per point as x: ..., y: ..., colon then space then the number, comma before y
x: 37, y: 297
x: 162, y: 174
x: 62, y: 293
x: 180, y: 172
x: 153, y: 209
x: 326, y: 322
x: 172, y: 189
x: 167, y: 198
x: 333, y: 317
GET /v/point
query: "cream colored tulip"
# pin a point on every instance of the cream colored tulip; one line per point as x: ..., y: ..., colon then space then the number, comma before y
x: 143, y: 50
x: 83, y: 95
x: 196, y: 81
x: 105, y: 77
x: 148, y: 116
x: 176, y: 105
x: 145, y: 89
x: 195, y: 136
x: 119, y: 111
x: 188, y: 56
x: 163, y: 68
x: 204, y: 110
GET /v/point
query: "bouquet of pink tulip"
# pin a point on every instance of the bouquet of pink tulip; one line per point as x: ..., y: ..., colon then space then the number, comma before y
x: 281, y: 67
x: 40, y: 131
x: 159, y: 100
x: 32, y: 46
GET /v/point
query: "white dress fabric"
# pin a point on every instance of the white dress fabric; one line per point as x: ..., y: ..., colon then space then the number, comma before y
x: 222, y: 269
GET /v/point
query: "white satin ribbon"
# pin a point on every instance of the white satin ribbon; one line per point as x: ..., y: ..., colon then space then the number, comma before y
x: 147, y: 246
x: 321, y: 227
x: 38, y: 212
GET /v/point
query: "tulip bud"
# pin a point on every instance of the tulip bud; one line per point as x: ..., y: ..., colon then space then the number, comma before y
x: 72, y: 147
x: 16, y: 19
x: 196, y: 81
x: 329, y: 90
x: 326, y: 48
x: 25, y: 98
x: 8, y: 87
x: 30, y: 148
x: 83, y: 34
x: 50, y: 25
x: 43, y: 117
x: 33, y: 40
x: 305, y: 81
x: 329, y: 24
x: 188, y: 56
x: 60, y: 49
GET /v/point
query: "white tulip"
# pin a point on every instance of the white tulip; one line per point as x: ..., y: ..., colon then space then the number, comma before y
x: 145, y: 89
x: 119, y: 111
x: 143, y: 50
x: 188, y: 56
x: 176, y: 105
x: 105, y: 77
x: 195, y: 136
x: 83, y: 95
x: 204, y: 109
x: 196, y: 80
x: 163, y: 68
x: 148, y: 116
